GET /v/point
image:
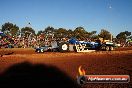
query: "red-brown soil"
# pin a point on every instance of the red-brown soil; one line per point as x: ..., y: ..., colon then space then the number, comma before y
x: 118, y: 62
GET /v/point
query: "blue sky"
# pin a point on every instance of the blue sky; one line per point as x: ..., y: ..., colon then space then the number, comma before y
x: 113, y: 15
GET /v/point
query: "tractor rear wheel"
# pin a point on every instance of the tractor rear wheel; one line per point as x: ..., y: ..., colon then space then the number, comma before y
x: 107, y: 48
x: 111, y: 48
x: 64, y: 47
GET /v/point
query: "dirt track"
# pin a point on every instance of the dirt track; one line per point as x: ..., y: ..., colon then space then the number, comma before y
x: 116, y: 62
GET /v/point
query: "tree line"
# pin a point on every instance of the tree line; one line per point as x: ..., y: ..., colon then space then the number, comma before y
x: 80, y: 33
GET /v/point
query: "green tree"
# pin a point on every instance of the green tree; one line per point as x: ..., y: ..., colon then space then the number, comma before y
x: 93, y: 32
x: 10, y: 29
x: 93, y: 35
x: 61, y: 33
x: 26, y: 31
x: 40, y: 32
x: 70, y: 33
x: 80, y: 33
x: 122, y: 36
x: 49, y: 32
x: 106, y: 35
x: 49, y: 29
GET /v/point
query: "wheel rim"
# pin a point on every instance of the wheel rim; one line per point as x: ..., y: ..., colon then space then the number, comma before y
x: 107, y: 48
x: 64, y: 47
x: 111, y: 48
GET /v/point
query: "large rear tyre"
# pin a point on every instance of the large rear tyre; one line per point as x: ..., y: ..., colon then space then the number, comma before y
x: 107, y: 48
x: 75, y: 49
x: 111, y: 48
x: 64, y: 47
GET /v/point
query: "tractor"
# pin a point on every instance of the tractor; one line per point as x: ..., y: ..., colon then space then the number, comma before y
x: 77, y: 46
